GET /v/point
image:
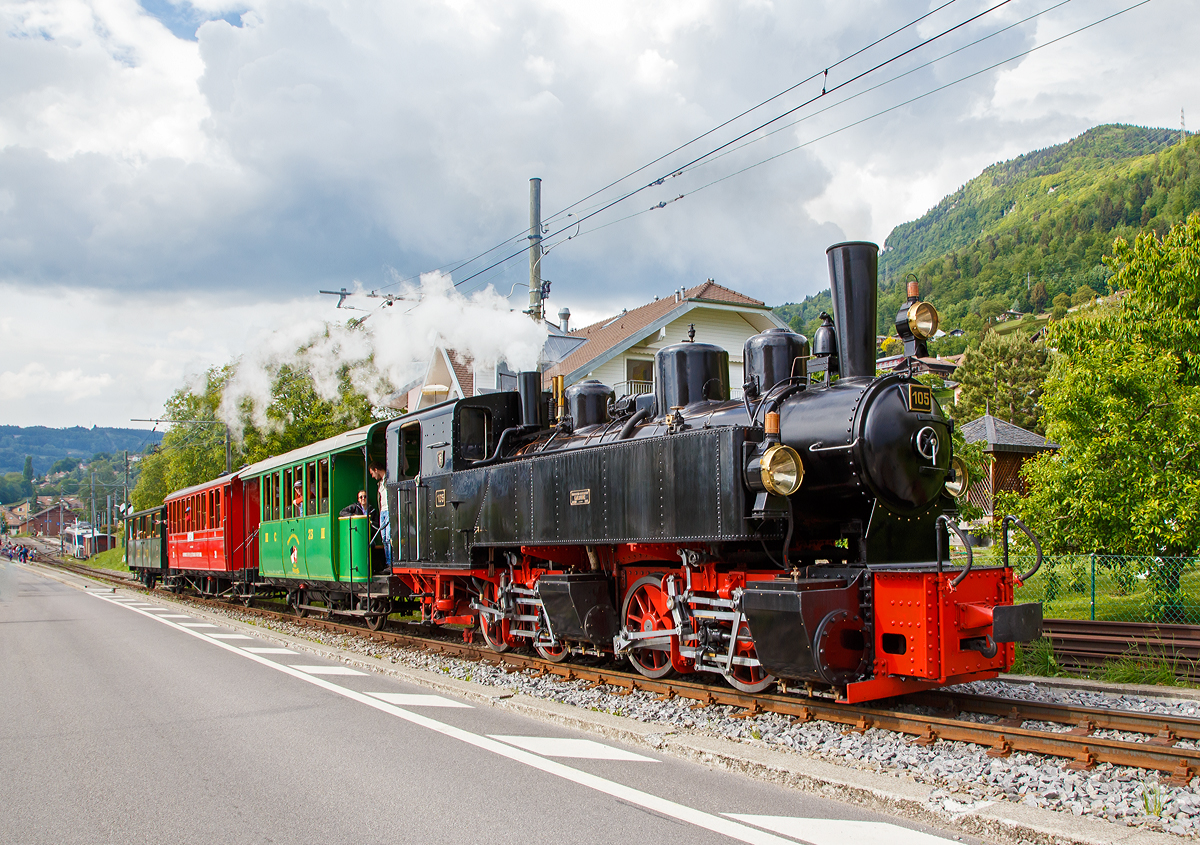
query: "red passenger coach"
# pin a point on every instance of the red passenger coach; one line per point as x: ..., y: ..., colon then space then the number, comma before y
x: 208, y: 527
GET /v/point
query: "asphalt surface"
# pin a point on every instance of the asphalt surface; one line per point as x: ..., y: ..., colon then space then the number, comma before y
x: 125, y: 720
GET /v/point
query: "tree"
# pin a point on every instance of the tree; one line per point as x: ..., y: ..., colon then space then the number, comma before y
x: 27, y: 476
x: 893, y: 346
x: 1005, y: 373
x: 1123, y: 401
x: 1038, y: 295
x: 194, y: 453
x: 1062, y: 300
x: 1083, y: 296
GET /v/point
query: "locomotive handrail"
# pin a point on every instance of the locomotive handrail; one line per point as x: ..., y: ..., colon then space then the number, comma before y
x: 951, y: 526
x: 1036, y: 545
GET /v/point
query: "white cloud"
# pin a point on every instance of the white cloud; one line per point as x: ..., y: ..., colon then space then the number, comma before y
x: 310, y: 143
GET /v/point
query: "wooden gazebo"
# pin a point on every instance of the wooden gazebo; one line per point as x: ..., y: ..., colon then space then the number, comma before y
x: 1007, y: 446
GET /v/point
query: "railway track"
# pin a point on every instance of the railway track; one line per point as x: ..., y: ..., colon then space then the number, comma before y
x: 1156, y: 748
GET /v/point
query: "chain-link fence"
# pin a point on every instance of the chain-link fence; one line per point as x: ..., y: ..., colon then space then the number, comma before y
x: 1114, y: 588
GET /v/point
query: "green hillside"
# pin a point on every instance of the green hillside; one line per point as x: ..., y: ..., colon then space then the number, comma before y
x: 1028, y: 229
x: 48, y: 445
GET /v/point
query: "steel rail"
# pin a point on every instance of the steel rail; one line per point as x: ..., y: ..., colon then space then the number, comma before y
x: 1082, y: 749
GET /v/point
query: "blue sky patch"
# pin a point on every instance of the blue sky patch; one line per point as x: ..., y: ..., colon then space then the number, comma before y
x: 183, y: 19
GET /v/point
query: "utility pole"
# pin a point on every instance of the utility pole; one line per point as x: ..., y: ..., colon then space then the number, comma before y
x: 535, y: 249
x: 125, y: 487
x: 93, y: 510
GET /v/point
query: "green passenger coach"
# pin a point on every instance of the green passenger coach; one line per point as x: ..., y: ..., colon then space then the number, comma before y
x: 327, y: 562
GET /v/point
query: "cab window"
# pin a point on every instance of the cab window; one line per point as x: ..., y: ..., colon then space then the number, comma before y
x: 475, y: 433
x: 410, y: 451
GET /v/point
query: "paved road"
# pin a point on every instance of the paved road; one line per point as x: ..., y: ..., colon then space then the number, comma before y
x: 125, y: 720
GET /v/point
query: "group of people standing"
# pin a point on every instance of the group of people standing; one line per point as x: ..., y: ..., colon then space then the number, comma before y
x: 16, y: 551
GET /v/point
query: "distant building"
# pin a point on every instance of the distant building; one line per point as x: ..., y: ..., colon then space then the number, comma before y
x: 48, y: 522
x: 1007, y: 448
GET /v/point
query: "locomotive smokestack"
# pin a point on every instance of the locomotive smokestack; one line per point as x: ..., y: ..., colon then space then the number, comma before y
x: 853, y: 281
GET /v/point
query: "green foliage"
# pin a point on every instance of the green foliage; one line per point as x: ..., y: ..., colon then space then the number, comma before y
x: 1123, y: 400
x: 1006, y: 373
x: 12, y: 488
x: 1137, y: 668
x: 192, y: 453
x: 298, y: 416
x: 1027, y: 230
x: 1036, y: 658
x: 48, y: 445
x: 805, y: 317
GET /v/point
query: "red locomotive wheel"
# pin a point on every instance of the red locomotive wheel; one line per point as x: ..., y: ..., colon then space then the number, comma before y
x: 495, y: 631
x: 645, y: 609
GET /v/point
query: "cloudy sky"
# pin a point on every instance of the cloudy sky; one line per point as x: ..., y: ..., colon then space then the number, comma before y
x: 178, y: 180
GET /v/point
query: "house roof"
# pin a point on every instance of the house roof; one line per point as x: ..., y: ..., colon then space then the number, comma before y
x: 464, y: 373
x: 618, y: 333
x: 1001, y: 436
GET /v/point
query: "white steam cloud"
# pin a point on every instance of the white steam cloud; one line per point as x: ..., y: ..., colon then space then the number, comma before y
x: 389, y: 348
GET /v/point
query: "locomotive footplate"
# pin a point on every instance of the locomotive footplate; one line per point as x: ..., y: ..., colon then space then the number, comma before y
x: 579, y: 606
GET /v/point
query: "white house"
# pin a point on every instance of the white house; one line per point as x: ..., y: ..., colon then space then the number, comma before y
x: 620, y: 351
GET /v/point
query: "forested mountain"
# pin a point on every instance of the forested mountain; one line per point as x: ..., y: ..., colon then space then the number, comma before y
x: 49, y: 445
x: 1027, y: 229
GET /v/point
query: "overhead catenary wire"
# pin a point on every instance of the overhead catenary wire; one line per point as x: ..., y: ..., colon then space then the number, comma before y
x: 916, y: 98
x: 459, y: 264
x: 825, y: 91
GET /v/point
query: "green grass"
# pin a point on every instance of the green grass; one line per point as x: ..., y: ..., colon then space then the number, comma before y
x: 112, y: 559
x: 1141, y: 669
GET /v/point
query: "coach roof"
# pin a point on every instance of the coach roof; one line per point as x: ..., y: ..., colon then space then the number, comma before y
x: 337, y: 443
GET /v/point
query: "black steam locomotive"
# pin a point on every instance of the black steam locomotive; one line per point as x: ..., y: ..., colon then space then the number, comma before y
x: 797, y: 534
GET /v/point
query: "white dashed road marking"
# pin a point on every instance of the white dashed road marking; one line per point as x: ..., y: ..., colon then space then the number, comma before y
x: 728, y: 826
x: 584, y: 749
x: 838, y: 832
x: 230, y: 637
x: 404, y: 699
x: 197, y: 624
x: 327, y: 670
x: 271, y: 651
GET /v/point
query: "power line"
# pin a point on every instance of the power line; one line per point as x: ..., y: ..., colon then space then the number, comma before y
x: 603, y: 206
x: 918, y: 97
x: 825, y: 91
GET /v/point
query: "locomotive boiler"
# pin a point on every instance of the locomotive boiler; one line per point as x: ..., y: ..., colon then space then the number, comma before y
x: 799, y: 534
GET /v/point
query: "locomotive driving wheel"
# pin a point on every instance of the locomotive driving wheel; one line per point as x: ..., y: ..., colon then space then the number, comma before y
x: 645, y: 610
x: 495, y: 631
x: 553, y: 653
x: 748, y: 679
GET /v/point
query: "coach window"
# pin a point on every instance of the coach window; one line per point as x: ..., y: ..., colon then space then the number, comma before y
x: 410, y: 450
x: 475, y: 433
x: 217, y: 497
x: 286, y: 494
x: 323, y: 485
x: 310, y: 488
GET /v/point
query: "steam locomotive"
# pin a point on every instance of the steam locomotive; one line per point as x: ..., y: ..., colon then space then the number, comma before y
x: 796, y: 536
